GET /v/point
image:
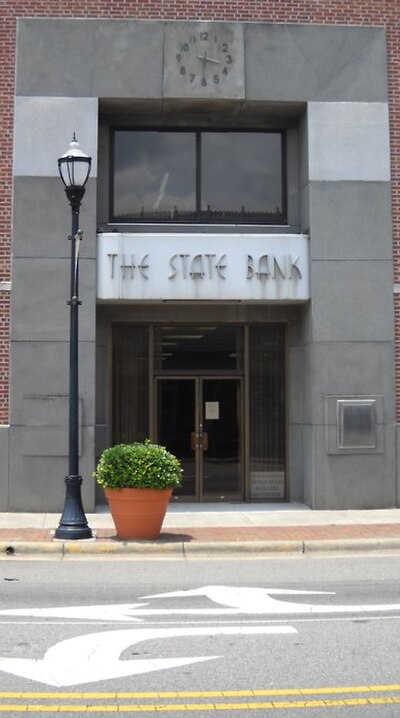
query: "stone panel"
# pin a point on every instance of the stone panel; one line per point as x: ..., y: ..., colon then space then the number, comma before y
x: 43, y: 129
x: 41, y: 369
x: 352, y: 368
x: 89, y: 58
x: 113, y: 58
x: 40, y: 294
x: 348, y: 141
x: 350, y: 220
x: 299, y: 401
x: 46, y: 426
x: 325, y: 63
x: 300, y: 324
x: 295, y: 463
x: 45, y: 232
x: 352, y: 301
x: 355, y: 481
x: 308, y: 467
x: 37, y: 482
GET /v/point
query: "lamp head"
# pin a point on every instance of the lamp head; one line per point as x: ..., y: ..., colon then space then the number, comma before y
x: 74, y: 166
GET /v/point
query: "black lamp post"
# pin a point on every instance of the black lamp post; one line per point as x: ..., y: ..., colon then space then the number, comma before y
x: 74, y: 168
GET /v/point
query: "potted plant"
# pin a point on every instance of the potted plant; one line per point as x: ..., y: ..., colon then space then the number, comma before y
x: 138, y: 480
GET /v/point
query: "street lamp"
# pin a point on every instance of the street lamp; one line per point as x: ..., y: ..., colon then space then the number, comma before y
x: 74, y: 168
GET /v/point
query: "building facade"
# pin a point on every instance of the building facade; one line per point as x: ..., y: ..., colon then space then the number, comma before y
x: 240, y: 251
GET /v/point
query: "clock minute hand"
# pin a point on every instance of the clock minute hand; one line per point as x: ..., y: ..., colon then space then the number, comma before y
x: 205, y: 58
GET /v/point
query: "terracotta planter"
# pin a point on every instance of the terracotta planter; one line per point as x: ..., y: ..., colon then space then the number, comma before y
x: 138, y: 513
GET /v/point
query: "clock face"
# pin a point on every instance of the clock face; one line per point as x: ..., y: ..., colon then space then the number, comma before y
x: 204, y: 60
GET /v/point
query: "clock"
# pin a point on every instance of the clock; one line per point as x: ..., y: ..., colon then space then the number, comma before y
x: 204, y: 60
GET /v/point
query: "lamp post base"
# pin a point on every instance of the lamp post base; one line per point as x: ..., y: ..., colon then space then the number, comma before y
x: 73, y: 523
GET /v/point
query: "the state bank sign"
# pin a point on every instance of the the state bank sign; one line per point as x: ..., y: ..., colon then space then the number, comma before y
x: 212, y: 267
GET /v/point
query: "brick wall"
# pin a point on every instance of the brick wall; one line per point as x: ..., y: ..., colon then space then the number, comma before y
x: 382, y: 13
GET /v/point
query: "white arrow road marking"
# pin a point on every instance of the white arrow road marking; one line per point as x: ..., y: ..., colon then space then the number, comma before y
x: 96, y: 656
x: 259, y: 600
x: 116, y: 612
x: 237, y: 601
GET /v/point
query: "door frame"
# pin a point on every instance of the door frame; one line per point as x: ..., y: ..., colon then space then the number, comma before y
x: 198, y: 379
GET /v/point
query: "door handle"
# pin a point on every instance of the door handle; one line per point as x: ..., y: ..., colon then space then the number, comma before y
x: 203, y: 439
x: 199, y: 440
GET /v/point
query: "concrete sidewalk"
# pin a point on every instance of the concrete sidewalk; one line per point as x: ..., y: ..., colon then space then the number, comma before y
x: 206, y: 529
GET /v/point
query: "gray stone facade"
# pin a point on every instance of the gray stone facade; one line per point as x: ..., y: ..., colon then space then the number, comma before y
x: 328, y: 87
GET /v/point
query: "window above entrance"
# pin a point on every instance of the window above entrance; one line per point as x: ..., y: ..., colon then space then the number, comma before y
x: 198, y: 348
x: 198, y: 176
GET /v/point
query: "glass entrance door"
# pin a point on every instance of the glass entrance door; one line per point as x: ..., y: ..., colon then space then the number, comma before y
x: 199, y: 420
x: 220, y: 439
x: 212, y: 394
x: 176, y: 419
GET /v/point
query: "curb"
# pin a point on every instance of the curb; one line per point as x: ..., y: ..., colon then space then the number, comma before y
x: 243, y: 547
x: 361, y: 544
x: 179, y: 549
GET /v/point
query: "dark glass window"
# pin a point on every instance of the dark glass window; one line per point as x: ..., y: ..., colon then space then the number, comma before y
x: 241, y: 176
x: 130, y: 376
x: 267, y: 412
x: 198, y: 176
x: 154, y: 176
x: 198, y: 348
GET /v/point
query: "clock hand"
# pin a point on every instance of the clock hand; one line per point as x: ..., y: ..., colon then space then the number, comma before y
x: 205, y: 58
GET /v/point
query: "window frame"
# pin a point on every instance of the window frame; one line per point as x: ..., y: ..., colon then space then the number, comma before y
x: 200, y: 217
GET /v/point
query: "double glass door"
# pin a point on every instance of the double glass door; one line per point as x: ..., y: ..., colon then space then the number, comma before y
x: 214, y: 395
x: 199, y: 420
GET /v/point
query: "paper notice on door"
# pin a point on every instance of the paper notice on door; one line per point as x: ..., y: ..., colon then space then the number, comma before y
x: 212, y: 410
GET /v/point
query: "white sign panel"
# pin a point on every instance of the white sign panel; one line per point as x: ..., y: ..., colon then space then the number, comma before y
x: 212, y: 410
x: 267, y: 484
x: 179, y: 266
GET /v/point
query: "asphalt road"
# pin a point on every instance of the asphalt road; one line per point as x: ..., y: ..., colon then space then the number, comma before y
x: 201, y: 638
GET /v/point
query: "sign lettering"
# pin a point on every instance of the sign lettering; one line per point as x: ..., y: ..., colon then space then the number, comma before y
x: 203, y: 266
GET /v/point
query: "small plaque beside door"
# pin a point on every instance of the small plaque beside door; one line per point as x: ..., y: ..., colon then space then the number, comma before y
x: 267, y: 484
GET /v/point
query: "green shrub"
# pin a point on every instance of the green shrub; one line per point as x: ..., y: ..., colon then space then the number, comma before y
x: 138, y: 466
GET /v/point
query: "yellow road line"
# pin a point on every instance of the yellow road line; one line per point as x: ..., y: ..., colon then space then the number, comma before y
x: 198, y: 694
x: 181, y: 707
